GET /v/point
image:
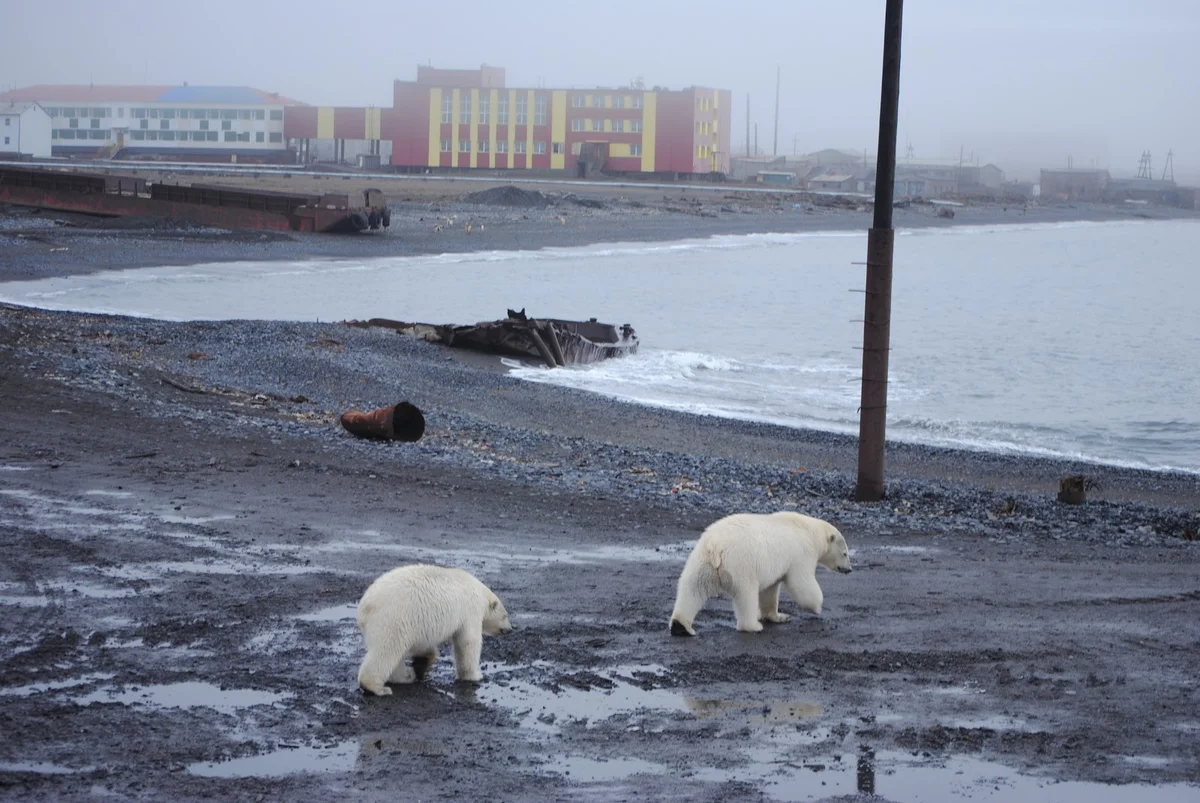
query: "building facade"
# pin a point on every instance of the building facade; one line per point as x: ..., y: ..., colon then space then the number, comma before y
x: 185, y: 122
x: 24, y: 130
x: 469, y: 119
x: 1074, y: 184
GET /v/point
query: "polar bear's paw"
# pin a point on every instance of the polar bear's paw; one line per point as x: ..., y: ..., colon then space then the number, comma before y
x: 777, y: 617
x: 750, y: 627
x: 678, y: 628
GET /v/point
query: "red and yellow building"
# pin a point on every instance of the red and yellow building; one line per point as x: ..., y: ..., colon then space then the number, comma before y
x: 469, y: 119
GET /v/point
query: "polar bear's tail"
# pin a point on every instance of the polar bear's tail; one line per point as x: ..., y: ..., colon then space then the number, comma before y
x: 699, y: 582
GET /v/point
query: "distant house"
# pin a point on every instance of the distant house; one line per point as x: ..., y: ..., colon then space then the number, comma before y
x: 833, y: 182
x: 1074, y: 184
x: 776, y: 177
x: 24, y: 130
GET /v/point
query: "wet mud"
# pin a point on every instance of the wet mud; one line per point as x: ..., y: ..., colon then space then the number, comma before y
x: 177, y: 603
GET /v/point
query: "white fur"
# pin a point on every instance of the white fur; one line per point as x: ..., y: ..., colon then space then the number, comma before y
x: 410, y: 611
x: 747, y: 556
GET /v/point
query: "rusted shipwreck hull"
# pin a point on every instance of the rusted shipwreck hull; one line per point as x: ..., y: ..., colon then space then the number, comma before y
x: 551, y: 340
x: 226, y: 207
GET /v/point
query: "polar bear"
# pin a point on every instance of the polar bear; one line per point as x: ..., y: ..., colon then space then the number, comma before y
x: 747, y: 556
x: 408, y: 612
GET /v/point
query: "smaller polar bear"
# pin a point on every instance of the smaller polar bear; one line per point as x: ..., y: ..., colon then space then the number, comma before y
x: 408, y: 612
x: 747, y: 557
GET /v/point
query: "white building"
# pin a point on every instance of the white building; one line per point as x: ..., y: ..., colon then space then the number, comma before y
x: 25, y: 130
x: 182, y: 122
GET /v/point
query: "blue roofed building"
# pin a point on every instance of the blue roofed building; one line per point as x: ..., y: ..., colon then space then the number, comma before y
x: 187, y: 123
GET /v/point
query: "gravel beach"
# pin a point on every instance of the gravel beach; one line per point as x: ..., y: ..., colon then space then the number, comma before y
x: 187, y: 529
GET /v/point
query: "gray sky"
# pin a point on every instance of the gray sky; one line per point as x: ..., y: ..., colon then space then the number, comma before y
x: 1022, y: 83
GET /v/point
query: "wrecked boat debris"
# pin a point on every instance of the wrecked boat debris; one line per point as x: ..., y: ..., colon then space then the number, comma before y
x: 210, y: 205
x: 399, y: 422
x: 554, y: 341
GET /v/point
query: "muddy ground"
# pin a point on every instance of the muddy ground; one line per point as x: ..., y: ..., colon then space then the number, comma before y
x: 182, y: 555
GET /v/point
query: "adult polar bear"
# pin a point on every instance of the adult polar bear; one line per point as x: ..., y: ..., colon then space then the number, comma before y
x: 408, y: 612
x: 747, y: 557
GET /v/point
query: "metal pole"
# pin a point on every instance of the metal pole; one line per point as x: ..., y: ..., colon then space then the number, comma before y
x: 747, y: 123
x: 880, y: 240
x: 775, y: 147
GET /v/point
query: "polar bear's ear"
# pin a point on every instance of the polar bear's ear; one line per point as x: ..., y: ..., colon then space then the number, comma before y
x: 832, y: 538
x: 492, y: 605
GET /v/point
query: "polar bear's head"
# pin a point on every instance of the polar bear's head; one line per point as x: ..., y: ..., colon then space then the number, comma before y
x: 495, y: 619
x: 837, y: 554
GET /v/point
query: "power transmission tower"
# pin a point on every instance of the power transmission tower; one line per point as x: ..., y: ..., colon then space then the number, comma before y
x: 1169, y: 167
x: 1145, y: 170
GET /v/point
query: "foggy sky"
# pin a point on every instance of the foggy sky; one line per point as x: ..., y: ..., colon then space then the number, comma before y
x: 1021, y: 83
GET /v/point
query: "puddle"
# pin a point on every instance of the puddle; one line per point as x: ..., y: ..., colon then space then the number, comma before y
x: 278, y: 763
x: 172, y: 518
x: 114, y: 494
x: 586, y: 770
x: 764, y: 712
x: 487, y: 556
x: 15, y: 468
x: 543, y: 710
x: 24, y: 601
x: 93, y: 590
x: 188, y: 694
x: 41, y: 768
x: 336, y: 613
x: 998, y: 722
x: 49, y: 685
x: 899, y: 776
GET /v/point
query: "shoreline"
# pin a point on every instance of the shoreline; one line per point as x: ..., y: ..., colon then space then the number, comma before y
x: 46, y: 244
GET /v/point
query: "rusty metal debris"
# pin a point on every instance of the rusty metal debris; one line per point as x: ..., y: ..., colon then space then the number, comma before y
x: 554, y: 341
x: 1073, y: 490
x: 399, y: 422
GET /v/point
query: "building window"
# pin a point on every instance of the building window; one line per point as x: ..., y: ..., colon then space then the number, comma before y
x: 169, y: 135
x: 197, y: 136
x: 620, y: 125
x: 483, y: 146
x: 138, y: 135
x: 152, y: 135
x: 576, y: 148
x: 137, y: 114
x: 244, y: 136
x: 614, y: 125
x: 522, y: 110
x: 635, y: 126
x: 447, y: 109
x: 163, y: 124
x: 231, y: 136
x: 619, y: 102
x: 260, y: 136
x: 519, y: 146
x: 197, y: 114
x: 276, y: 136
x: 635, y: 150
x: 228, y: 114
x: 485, y: 110
x: 73, y: 123
x: 557, y: 147
x: 226, y: 125
x: 577, y: 125
x: 276, y: 114
x: 8, y: 121
x: 260, y: 114
x: 204, y: 125
x: 166, y: 114
x: 539, y: 110
x: 597, y: 125
x: 464, y: 109
x: 6, y: 140
x: 464, y: 146
x: 637, y: 101
x: 577, y: 101
x: 502, y: 110
x: 445, y: 146
x: 96, y: 123
x: 502, y: 146
x: 214, y: 114
x: 99, y: 112
x: 539, y: 147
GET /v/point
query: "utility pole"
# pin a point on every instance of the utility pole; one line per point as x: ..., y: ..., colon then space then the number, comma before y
x: 747, y: 123
x: 775, y: 147
x: 756, y: 139
x: 877, y: 317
